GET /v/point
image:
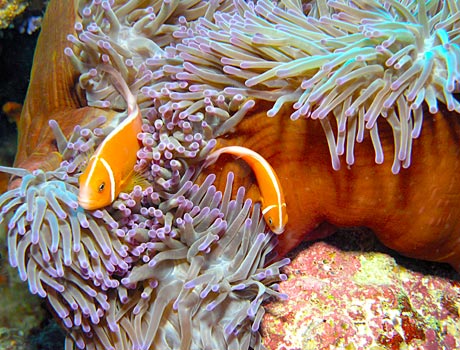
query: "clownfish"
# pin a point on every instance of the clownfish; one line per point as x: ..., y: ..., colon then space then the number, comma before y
x: 111, y: 167
x: 272, y: 197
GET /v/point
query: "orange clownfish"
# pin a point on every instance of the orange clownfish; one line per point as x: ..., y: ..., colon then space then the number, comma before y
x: 273, y: 203
x: 112, y: 165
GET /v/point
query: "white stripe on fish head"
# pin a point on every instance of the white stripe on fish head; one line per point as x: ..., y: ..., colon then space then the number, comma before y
x: 109, y: 170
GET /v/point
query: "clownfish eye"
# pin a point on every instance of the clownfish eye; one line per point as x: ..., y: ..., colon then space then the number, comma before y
x: 101, y: 187
x: 270, y: 221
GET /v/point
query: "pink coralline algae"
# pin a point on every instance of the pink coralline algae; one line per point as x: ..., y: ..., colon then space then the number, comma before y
x: 342, y: 299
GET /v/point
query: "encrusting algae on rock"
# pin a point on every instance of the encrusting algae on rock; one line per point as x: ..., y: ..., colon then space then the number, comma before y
x: 350, y: 292
x: 179, y: 264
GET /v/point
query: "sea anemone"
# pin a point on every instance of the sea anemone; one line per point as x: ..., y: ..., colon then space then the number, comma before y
x: 149, y: 270
x: 179, y: 264
x: 197, y: 282
x: 349, y: 64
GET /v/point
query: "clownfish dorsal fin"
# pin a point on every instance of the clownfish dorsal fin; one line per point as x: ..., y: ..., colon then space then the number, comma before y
x: 121, y: 86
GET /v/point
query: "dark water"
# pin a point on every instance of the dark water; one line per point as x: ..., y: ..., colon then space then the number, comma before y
x: 16, y: 55
x: 16, y: 58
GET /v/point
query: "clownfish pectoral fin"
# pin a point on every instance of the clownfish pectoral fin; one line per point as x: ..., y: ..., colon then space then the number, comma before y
x: 138, y: 179
x: 132, y: 180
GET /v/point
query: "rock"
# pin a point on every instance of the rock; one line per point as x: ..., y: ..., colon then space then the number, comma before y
x: 349, y: 292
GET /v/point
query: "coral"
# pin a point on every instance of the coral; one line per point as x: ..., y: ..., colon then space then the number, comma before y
x: 9, y: 10
x: 25, y: 16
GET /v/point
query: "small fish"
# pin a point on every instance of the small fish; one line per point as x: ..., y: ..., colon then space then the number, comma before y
x: 273, y: 203
x: 111, y: 168
x: 13, y: 111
